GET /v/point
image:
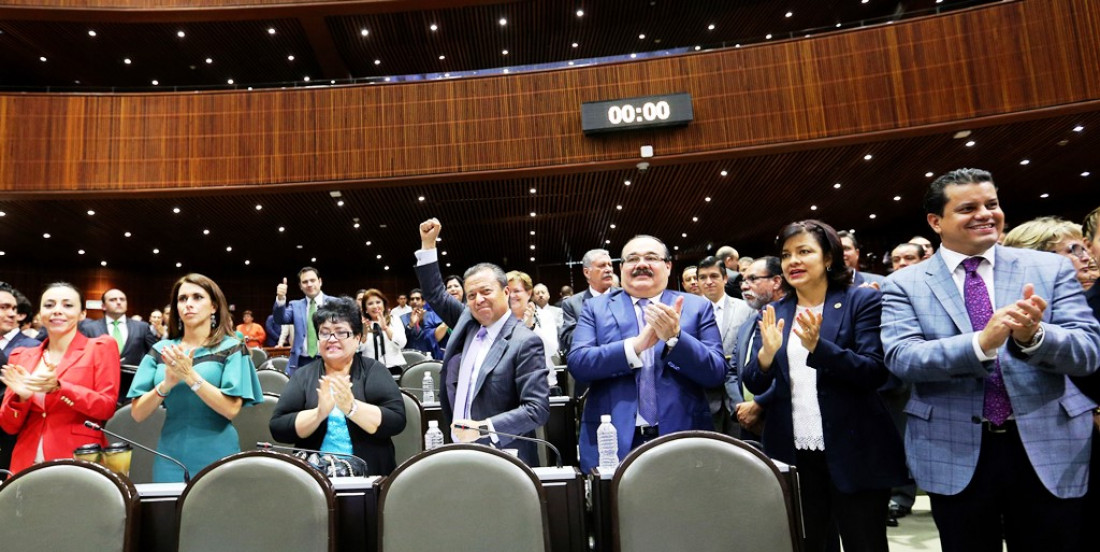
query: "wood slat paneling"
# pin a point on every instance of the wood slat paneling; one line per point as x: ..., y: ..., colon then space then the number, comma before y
x: 895, y: 76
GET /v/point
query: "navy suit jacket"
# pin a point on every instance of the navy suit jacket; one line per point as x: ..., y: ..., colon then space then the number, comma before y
x: 683, y: 373
x: 423, y: 339
x: 139, y: 338
x: 20, y: 340
x: 297, y: 315
x: 742, y: 349
x: 929, y: 341
x: 511, y: 388
x: 862, y: 448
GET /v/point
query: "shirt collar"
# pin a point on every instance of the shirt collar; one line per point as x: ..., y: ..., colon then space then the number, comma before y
x: 596, y: 293
x: 10, y: 335
x: 953, y: 258
x: 496, y: 327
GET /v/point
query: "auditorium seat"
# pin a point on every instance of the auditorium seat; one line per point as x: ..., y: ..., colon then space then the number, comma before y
x: 413, y: 378
x: 276, y: 363
x: 258, y: 501
x: 413, y: 356
x: 259, y: 356
x: 68, y: 505
x: 146, y: 433
x: 272, y: 381
x: 492, y: 502
x: 671, y: 488
x: 410, y: 441
x: 253, y: 423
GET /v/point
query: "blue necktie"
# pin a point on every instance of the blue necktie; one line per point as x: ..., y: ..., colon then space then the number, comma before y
x: 647, y: 376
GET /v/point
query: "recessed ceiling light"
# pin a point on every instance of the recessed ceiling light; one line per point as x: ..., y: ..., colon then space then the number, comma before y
x: 1025, y: 162
x: 683, y: 235
x: 448, y: 265
x: 532, y: 246
x: 897, y: 198
x: 838, y: 25
x: 229, y: 248
x: 504, y: 52
x: 676, y: 248
x: 181, y: 34
x: 79, y: 251
x: 387, y: 267
x: 864, y: 1
x: 929, y: 174
x: 379, y: 62
x: 532, y: 213
x: 282, y: 228
x: 618, y: 207
x: 697, y: 48
x: 356, y: 225
x: 127, y: 61
x: 641, y: 36
x: 836, y: 186
x: 364, y: 32
x: 532, y: 259
x: 707, y: 199
x: 179, y: 264
x: 313, y: 259
x: 506, y: 70
x: 1078, y: 128
x: 694, y: 219
x: 612, y: 226
x: 271, y: 30
x: 788, y: 14
x: 306, y: 78
x: 970, y: 144
x: 340, y: 203
x: 2, y: 253
x: 867, y: 157
x: 633, y: 56
x: 209, y: 60
x: 368, y: 242
x: 502, y: 21
x: 434, y: 27
x: 710, y: 27
x: 1044, y: 196
x: 378, y: 256
x: 607, y: 242
x: 205, y: 232
x: 156, y: 251
x: 532, y: 232
x: 91, y: 32
x: 570, y: 63
x: 230, y: 81
x: 42, y: 59
x: 813, y: 207
x: 724, y: 173
x: 532, y: 190
x: 1086, y: 174
x: 299, y: 246
x: 259, y: 207
x: 156, y: 82
x: 176, y: 210
x: 737, y: 45
x: 290, y: 58
x: 247, y: 262
x: 768, y: 36
x: 126, y: 234
x: 443, y: 252
x: 421, y: 198
x: 91, y: 213
x: 3, y: 214
x: 102, y: 263
x: 580, y: 13
x: 442, y: 56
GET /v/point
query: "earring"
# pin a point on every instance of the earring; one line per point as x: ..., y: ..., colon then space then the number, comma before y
x: 213, y: 321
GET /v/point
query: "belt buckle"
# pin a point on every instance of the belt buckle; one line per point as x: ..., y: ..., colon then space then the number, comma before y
x: 648, y: 431
x: 995, y: 428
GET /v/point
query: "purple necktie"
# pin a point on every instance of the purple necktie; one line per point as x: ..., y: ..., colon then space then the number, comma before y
x: 647, y: 376
x: 997, y: 406
x: 464, y: 394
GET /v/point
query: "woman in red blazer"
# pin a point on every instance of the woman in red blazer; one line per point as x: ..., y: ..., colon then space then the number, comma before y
x: 55, y: 387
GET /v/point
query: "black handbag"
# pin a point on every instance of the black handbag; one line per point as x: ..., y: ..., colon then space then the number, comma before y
x: 334, y: 465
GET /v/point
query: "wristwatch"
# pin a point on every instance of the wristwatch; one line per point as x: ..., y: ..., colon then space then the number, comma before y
x: 198, y: 383
x: 672, y: 341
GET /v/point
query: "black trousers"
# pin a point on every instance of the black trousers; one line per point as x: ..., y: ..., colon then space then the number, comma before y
x: 1006, y: 502
x: 859, y: 517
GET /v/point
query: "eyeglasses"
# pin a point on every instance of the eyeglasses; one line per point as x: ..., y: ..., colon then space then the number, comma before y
x: 651, y: 258
x: 752, y: 278
x: 1076, y: 250
x: 340, y: 335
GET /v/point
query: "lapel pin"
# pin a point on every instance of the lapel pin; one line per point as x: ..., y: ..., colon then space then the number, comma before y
x: 836, y: 306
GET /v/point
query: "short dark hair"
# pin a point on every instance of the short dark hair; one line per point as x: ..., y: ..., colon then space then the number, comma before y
x: 461, y: 282
x: 416, y: 291
x: 103, y: 298
x: 340, y: 309
x: 248, y: 312
x: 935, y: 199
x: 846, y: 234
x: 713, y: 262
x: 773, y: 265
x: 838, y: 275
x: 309, y: 269
x: 23, y: 306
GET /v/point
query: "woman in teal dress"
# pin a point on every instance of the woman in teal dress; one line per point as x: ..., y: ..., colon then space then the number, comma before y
x: 203, y: 376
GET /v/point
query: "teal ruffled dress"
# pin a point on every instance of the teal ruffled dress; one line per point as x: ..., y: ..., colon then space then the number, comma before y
x: 193, y: 432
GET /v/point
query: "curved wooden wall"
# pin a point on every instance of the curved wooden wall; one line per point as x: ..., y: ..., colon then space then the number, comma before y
x: 997, y: 59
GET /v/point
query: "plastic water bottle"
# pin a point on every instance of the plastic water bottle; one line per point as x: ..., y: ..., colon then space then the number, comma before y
x: 427, y: 387
x: 607, y: 441
x: 433, y: 439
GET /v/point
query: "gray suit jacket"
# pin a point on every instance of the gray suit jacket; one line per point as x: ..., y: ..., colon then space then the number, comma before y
x: 511, y: 389
x: 927, y: 335
x: 736, y: 312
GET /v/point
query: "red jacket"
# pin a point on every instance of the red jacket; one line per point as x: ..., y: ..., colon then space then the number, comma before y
x: 89, y: 378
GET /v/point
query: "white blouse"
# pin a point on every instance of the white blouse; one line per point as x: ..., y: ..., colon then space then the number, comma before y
x: 391, y: 355
x: 805, y: 410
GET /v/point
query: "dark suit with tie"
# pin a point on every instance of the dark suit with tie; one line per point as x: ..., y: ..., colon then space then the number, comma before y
x: 139, y: 337
x: 297, y: 312
x: 511, y: 388
x: 7, y: 440
x: 571, y: 309
x: 742, y: 351
x: 682, y: 374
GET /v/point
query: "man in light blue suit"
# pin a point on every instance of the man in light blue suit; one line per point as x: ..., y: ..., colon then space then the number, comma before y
x: 648, y: 354
x: 300, y: 313
x: 997, y: 434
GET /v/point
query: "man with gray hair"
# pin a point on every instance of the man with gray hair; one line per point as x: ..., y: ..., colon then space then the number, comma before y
x: 731, y: 260
x: 494, y: 371
x: 599, y: 272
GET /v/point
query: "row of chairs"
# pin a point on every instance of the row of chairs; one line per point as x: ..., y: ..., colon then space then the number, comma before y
x: 666, y: 495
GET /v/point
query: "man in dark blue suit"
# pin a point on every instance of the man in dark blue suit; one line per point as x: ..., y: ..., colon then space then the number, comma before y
x: 647, y: 353
x: 420, y: 324
x: 134, y: 338
x: 300, y: 313
x: 11, y: 338
x: 494, y: 372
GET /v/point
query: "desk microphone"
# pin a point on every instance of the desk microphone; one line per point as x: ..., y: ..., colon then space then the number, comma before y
x: 487, y: 431
x: 186, y: 474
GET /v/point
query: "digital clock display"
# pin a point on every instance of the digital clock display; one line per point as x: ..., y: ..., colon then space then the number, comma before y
x: 635, y: 113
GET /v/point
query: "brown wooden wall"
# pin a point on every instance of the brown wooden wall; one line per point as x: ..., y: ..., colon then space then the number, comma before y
x: 1002, y: 58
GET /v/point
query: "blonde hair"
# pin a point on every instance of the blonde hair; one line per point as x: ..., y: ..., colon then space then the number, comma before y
x: 1042, y: 233
x: 523, y: 278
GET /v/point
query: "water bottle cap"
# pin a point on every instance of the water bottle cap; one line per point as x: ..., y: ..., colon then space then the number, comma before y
x: 605, y: 418
x: 433, y: 424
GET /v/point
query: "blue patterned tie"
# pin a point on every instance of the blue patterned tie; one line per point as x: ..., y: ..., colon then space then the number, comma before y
x: 997, y: 406
x: 647, y: 377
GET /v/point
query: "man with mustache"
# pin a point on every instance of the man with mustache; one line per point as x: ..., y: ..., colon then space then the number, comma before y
x: 762, y: 284
x: 648, y: 354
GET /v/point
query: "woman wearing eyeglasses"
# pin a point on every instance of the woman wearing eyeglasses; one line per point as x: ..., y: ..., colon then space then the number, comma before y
x: 820, y: 345
x: 202, y: 374
x: 343, y: 402
x: 1056, y: 236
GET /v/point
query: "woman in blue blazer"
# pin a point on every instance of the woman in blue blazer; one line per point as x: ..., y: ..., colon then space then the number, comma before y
x: 822, y: 343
